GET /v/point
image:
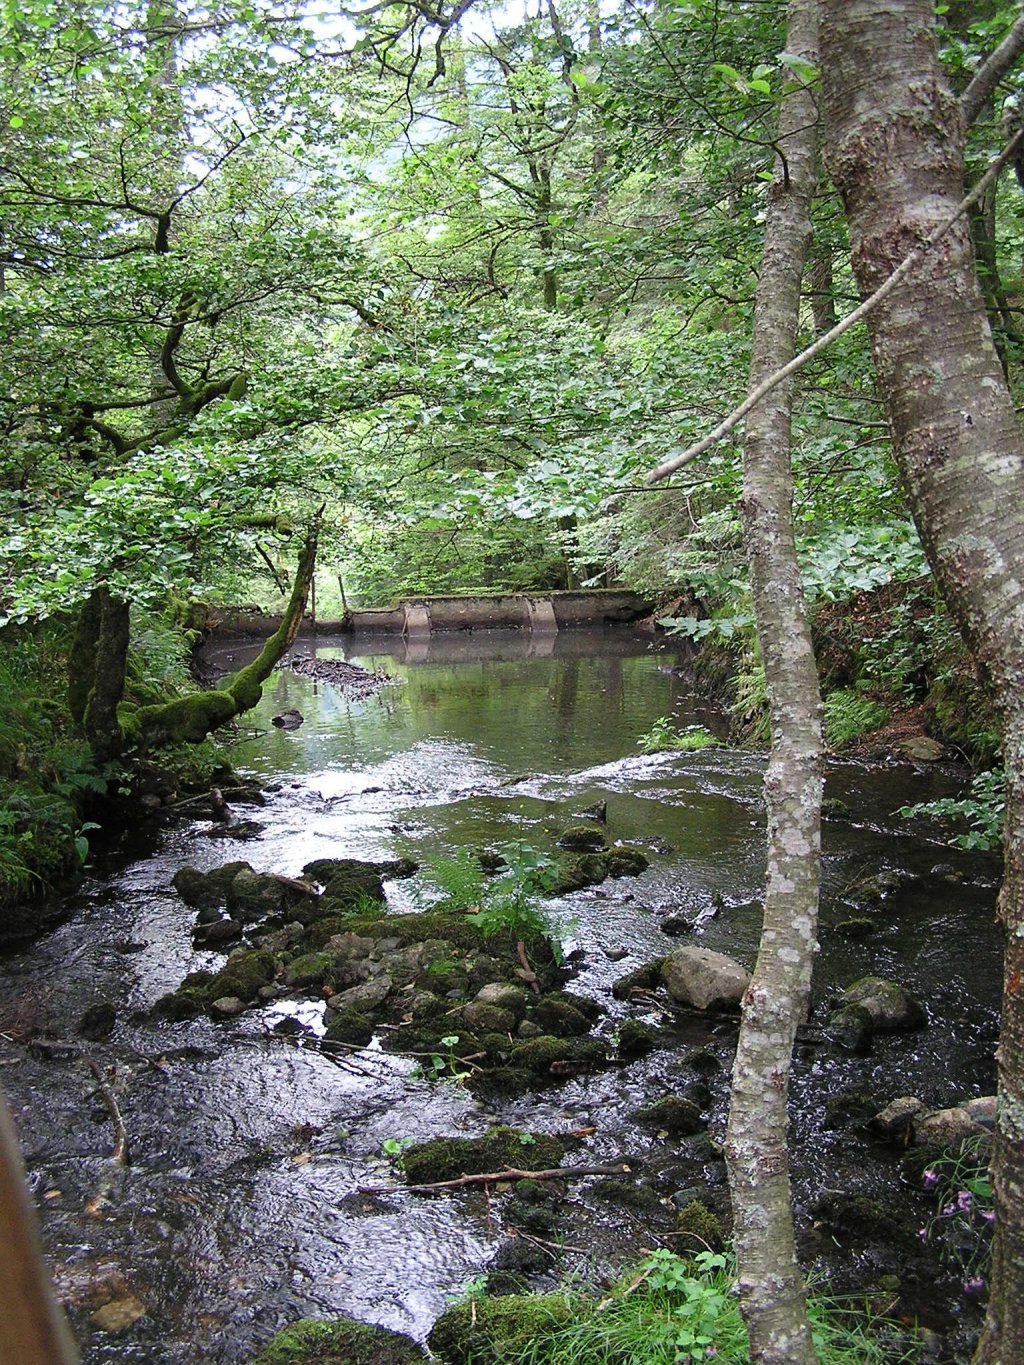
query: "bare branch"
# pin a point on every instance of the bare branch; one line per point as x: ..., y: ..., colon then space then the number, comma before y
x: 992, y: 71
x: 824, y: 342
x: 502, y: 1177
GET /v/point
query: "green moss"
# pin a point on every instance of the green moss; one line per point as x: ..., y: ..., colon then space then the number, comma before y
x: 190, y: 999
x: 186, y: 720
x: 243, y: 974
x: 533, y: 1207
x: 625, y: 862
x: 557, y: 1016
x: 697, y: 1229
x: 857, y: 1220
x: 637, y: 1039
x: 486, y: 1331
x: 312, y: 969
x: 348, y: 1026
x: 583, y: 839
x: 341, y: 1342
x: 964, y: 717
x: 500, y: 1148
x: 539, y: 1055
x: 590, y: 870
x: 680, y: 1117
x: 629, y: 1194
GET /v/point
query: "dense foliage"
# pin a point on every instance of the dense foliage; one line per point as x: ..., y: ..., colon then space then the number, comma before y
x: 463, y: 276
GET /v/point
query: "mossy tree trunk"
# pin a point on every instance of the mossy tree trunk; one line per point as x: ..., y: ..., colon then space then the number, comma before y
x: 96, y: 674
x: 188, y: 720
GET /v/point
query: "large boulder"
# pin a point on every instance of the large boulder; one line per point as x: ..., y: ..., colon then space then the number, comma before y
x: 704, y: 979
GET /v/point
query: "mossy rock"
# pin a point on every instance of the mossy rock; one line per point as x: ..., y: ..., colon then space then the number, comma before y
x: 444, y: 974
x: 559, y: 1016
x: 340, y: 1342
x: 857, y: 1220
x: 548, y: 1057
x: 636, y: 1039
x: 311, y: 969
x: 849, y: 1107
x: 857, y: 927
x: 489, y: 1018
x: 697, y: 1228
x: 583, y: 839
x: 254, y: 895
x: 680, y: 1117
x: 206, y: 890
x: 589, y: 870
x: 324, y: 870
x: 349, y: 1026
x: 533, y: 1207
x: 645, y: 978
x: 190, y: 999
x: 501, y: 1147
x: 489, y: 1331
x: 625, y: 862
x: 629, y: 1194
x: 244, y: 973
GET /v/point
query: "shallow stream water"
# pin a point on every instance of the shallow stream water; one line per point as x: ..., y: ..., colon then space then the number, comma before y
x: 243, y: 1206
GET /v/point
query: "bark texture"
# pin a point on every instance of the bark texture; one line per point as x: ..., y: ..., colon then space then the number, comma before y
x: 771, y: 1283
x: 895, y: 148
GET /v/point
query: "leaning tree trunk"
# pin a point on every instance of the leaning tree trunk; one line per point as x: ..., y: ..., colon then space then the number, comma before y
x: 188, y: 720
x: 895, y: 147
x: 772, y: 1294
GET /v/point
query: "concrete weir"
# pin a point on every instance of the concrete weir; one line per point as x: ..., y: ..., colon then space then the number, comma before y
x: 419, y: 617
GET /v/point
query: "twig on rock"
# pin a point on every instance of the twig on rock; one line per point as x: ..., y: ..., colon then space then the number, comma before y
x: 510, y: 1173
x: 119, y: 1156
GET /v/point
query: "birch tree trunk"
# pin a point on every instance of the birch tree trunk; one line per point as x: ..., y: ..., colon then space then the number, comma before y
x: 895, y: 147
x: 771, y: 1283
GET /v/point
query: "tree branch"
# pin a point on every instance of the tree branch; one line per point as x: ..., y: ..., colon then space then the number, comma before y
x: 500, y: 1177
x: 798, y: 362
x: 991, y: 72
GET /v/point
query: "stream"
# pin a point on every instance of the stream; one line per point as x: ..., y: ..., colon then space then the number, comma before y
x: 243, y: 1206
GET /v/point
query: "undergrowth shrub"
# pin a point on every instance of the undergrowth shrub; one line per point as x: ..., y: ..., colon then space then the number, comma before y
x: 983, y: 809
x: 848, y: 715
x: 669, y: 1311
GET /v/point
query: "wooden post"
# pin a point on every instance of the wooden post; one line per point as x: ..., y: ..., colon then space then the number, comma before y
x: 32, y: 1327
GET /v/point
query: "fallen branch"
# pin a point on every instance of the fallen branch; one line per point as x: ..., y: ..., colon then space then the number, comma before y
x: 501, y: 1177
x: 527, y: 974
x: 119, y: 1156
x: 798, y: 362
x: 295, y: 884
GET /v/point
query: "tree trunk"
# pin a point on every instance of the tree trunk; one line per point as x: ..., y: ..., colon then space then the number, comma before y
x: 819, y: 287
x: 895, y: 145
x: 188, y: 720
x: 771, y: 1283
x: 96, y: 670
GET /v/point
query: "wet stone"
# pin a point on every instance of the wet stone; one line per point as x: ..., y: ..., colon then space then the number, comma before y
x: 227, y: 1007
x: 704, y: 979
x: 118, y: 1315
x: 679, y: 1117
x: 366, y: 997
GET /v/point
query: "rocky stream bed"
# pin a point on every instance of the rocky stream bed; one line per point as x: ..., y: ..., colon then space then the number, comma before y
x: 286, y: 1039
